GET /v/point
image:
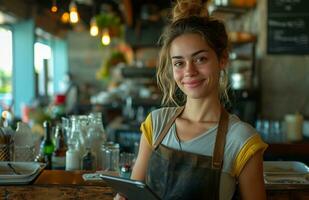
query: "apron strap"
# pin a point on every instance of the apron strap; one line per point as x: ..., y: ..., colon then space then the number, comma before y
x: 217, y: 158
x: 167, y: 127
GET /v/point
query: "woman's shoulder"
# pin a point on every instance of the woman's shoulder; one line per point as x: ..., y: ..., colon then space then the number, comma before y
x: 159, y: 118
x: 163, y: 113
x: 165, y: 110
x: 239, y: 130
x: 242, y: 142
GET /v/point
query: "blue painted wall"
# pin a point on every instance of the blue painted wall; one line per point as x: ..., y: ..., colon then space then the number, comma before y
x: 23, y: 64
x: 60, y: 62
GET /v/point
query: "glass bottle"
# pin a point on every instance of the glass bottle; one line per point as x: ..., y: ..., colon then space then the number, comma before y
x: 72, y: 158
x: 83, y: 122
x: 96, y: 136
x: 58, y: 157
x: 75, y: 147
x: 89, y: 160
x: 47, y: 146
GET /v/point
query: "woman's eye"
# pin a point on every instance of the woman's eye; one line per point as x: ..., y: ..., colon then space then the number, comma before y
x: 178, y: 64
x: 200, y: 60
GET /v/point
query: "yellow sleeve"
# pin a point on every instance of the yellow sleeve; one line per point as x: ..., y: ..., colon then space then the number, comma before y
x: 146, y: 128
x: 253, y: 145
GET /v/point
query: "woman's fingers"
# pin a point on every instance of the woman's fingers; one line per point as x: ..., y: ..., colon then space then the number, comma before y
x: 119, y: 197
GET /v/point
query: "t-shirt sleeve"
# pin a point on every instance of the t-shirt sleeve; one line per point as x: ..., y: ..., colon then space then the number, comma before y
x: 146, y: 129
x: 250, y: 147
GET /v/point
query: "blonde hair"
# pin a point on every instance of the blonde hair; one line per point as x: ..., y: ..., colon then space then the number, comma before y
x: 190, y: 16
x: 187, y: 8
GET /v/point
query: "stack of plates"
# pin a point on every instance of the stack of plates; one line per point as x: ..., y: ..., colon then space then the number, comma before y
x: 285, y: 172
x: 19, y: 172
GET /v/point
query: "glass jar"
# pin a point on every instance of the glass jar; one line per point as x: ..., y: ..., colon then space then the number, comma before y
x: 110, y: 157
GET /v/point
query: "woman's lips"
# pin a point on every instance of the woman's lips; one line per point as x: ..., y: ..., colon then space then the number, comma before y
x: 192, y: 84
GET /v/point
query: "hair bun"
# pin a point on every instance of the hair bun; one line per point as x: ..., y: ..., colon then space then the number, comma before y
x: 188, y: 8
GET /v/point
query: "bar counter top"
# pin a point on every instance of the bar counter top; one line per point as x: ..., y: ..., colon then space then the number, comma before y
x: 59, y: 184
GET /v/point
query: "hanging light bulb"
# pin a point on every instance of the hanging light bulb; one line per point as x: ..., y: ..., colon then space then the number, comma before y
x: 73, y: 13
x: 54, y: 7
x: 105, y: 37
x: 94, y: 29
x: 65, y: 17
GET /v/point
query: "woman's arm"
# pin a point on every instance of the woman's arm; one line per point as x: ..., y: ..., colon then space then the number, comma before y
x: 251, y: 181
x: 141, y: 163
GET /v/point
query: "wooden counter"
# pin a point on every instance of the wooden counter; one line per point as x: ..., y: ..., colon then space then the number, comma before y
x: 57, y: 184
x: 297, y: 151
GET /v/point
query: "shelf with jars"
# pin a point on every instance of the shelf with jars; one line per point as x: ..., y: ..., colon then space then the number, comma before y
x: 243, y: 79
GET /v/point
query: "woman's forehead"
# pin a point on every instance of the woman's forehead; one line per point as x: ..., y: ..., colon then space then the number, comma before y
x: 188, y: 44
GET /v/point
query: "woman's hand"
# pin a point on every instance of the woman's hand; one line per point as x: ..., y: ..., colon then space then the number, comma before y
x: 119, y: 197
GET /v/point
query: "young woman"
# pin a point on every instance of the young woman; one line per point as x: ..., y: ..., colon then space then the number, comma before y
x: 196, y: 150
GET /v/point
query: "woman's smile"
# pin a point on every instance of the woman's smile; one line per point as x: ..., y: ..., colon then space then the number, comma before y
x: 193, y: 83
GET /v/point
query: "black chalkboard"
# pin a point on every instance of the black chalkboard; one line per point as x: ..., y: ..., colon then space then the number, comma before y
x: 288, y: 27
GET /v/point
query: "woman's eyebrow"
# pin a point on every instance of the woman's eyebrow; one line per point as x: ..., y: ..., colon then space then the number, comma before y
x: 200, y: 51
x: 192, y: 55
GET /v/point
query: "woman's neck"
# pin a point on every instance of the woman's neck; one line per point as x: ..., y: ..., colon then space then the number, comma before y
x: 202, y: 110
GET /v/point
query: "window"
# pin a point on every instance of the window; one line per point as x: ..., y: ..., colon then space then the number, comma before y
x: 6, y: 65
x: 43, y: 69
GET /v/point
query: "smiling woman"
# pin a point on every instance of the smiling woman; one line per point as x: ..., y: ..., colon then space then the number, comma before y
x: 197, y: 150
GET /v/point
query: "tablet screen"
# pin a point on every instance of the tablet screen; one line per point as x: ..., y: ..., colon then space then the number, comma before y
x: 131, y: 189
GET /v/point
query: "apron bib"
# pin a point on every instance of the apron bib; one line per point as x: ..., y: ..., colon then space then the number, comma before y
x: 175, y: 174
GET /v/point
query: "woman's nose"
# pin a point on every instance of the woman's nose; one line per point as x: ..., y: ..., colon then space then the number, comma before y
x: 190, y: 69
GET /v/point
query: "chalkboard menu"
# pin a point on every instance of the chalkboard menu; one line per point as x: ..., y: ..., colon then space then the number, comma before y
x: 288, y: 27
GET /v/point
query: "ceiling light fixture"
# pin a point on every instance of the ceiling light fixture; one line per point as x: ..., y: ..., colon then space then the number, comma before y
x: 105, y: 37
x: 65, y: 18
x: 73, y: 12
x: 54, y: 7
x: 94, y: 29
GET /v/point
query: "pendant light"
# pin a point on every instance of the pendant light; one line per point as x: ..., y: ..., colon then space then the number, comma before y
x: 65, y: 18
x: 105, y: 37
x: 94, y: 29
x: 54, y: 7
x: 73, y: 12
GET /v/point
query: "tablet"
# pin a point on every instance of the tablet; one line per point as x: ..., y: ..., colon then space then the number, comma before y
x: 131, y: 189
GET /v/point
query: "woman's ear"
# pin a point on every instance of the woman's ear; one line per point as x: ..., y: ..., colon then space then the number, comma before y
x: 224, y: 60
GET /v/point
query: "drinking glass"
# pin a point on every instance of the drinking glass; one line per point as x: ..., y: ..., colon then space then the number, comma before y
x: 126, y: 164
x: 110, y: 157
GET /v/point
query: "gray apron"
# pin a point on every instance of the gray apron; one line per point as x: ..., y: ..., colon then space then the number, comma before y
x: 175, y: 174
